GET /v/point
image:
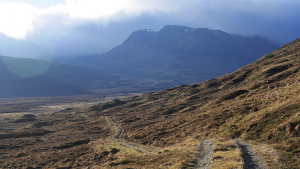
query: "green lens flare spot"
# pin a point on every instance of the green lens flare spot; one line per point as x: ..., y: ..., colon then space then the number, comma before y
x: 24, y: 67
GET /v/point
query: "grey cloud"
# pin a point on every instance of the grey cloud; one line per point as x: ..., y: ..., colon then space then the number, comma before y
x: 276, y: 20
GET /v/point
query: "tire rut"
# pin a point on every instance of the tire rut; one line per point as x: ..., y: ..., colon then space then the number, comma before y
x: 203, y: 157
x: 251, y: 159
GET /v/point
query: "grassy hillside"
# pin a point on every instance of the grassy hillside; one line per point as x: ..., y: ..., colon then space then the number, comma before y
x: 259, y: 102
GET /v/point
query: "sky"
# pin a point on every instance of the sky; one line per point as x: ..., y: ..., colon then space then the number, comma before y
x: 44, y: 29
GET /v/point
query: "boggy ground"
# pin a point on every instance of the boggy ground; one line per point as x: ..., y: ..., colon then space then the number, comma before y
x: 258, y: 104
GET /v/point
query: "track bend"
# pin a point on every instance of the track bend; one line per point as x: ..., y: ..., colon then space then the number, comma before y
x: 118, y: 134
x: 118, y: 130
x: 251, y: 159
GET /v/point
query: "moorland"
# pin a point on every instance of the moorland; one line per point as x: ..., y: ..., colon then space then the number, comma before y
x: 257, y: 104
x: 249, y: 117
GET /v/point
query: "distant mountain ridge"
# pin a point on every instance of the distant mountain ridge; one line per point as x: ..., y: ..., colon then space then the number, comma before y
x: 148, y: 60
x: 23, y: 77
x: 183, y: 53
x: 55, y: 80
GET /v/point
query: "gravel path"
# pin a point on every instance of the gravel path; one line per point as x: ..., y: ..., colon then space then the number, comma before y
x: 118, y: 130
x: 108, y: 121
x: 203, y: 157
x: 117, y: 135
x: 251, y: 159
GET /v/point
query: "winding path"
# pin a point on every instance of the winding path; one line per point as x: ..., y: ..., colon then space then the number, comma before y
x: 118, y: 130
x: 251, y: 159
x: 117, y: 136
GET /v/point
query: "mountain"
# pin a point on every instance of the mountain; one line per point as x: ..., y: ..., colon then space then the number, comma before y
x: 147, y: 61
x: 183, y: 54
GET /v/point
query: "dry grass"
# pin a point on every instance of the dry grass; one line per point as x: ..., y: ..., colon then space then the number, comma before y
x: 166, y: 157
x: 226, y: 155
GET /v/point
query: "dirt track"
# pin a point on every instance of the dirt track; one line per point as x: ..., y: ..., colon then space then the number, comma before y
x: 117, y: 138
x: 118, y: 130
x: 251, y: 159
x: 203, y: 157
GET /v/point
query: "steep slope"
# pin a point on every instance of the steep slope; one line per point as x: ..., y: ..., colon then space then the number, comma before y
x: 259, y: 102
x: 183, y: 54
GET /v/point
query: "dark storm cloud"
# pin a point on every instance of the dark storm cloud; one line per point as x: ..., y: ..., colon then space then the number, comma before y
x: 277, y: 19
x: 63, y: 36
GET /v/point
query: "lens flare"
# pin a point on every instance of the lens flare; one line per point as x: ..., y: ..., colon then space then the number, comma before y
x: 24, y: 67
x: 28, y: 58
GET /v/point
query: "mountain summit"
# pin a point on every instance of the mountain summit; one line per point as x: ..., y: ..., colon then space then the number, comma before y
x: 183, y: 53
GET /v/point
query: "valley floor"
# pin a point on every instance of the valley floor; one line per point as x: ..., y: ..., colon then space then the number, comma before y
x: 72, y: 139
